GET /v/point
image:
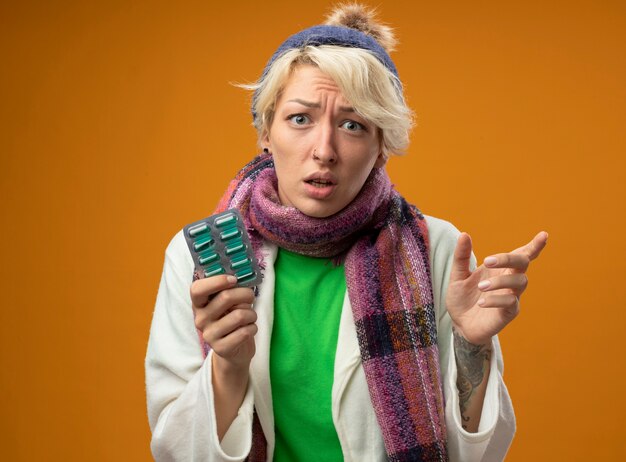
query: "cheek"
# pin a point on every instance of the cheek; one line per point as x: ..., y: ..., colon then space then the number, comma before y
x: 358, y: 183
x: 286, y: 173
x: 362, y: 169
x: 289, y: 156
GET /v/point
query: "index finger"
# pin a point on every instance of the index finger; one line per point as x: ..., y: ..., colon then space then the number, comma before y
x: 202, y: 289
x: 462, y: 256
x: 534, y: 247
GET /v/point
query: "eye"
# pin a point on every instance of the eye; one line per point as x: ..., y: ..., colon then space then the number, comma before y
x: 298, y: 119
x: 352, y: 126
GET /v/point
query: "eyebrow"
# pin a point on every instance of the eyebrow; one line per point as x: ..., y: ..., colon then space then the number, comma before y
x: 313, y: 105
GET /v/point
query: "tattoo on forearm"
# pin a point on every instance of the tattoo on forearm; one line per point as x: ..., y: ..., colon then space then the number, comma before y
x: 472, y: 362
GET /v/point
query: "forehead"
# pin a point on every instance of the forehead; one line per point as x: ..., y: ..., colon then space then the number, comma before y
x: 308, y: 81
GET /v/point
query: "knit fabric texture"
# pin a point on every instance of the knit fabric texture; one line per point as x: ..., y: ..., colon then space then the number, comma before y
x: 330, y: 35
x: 333, y: 35
x: 384, y: 243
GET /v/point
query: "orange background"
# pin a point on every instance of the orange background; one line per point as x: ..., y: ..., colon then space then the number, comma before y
x: 119, y: 126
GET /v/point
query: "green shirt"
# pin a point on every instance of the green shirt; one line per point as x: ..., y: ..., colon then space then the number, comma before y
x: 308, y: 299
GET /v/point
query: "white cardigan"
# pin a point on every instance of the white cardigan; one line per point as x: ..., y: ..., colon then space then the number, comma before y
x: 180, y: 394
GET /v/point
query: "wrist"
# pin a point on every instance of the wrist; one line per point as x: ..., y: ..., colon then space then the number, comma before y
x: 230, y: 382
x: 476, y: 340
x: 231, y: 375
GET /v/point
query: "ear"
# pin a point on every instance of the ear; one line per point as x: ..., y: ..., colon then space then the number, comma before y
x: 381, y: 160
x: 264, y: 139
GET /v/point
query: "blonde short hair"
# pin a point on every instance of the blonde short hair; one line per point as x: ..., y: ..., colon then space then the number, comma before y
x: 372, y: 89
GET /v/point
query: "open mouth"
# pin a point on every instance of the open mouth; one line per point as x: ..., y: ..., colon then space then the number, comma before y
x: 319, y: 183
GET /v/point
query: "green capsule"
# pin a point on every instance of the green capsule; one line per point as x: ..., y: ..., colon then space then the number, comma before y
x: 213, y: 271
x: 226, y: 220
x: 244, y: 274
x: 206, y: 257
x: 198, y: 229
x: 203, y: 243
x: 240, y: 262
x: 230, y: 234
x: 234, y: 247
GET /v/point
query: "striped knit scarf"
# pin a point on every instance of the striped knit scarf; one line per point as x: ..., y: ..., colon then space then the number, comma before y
x: 383, y: 241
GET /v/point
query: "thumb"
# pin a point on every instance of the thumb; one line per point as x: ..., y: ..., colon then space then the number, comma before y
x: 461, y: 262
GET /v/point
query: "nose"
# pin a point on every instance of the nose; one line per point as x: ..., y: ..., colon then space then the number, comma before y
x: 324, y: 149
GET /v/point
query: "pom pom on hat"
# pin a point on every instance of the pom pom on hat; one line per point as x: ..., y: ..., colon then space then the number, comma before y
x: 363, y: 19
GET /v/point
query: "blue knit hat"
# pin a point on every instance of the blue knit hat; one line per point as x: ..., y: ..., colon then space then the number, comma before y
x: 333, y: 35
x: 330, y: 35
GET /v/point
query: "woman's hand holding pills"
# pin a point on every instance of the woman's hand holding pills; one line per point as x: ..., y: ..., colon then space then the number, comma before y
x: 224, y: 315
x: 482, y: 302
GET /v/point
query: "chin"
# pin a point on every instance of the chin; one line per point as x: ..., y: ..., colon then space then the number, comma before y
x: 318, y: 211
x: 314, y: 213
x: 317, y: 214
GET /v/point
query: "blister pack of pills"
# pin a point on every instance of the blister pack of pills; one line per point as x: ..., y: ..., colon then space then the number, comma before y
x: 220, y: 244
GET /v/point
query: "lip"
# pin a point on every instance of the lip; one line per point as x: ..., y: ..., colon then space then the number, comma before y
x: 320, y: 192
x: 323, y: 176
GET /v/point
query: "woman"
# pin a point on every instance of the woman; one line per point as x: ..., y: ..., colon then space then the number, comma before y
x: 373, y: 335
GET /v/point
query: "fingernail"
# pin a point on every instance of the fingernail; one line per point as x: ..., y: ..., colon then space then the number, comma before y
x: 232, y: 279
x: 481, y: 302
x: 489, y: 261
x: 484, y: 284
